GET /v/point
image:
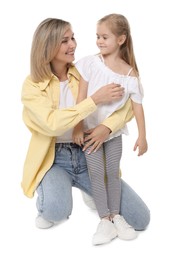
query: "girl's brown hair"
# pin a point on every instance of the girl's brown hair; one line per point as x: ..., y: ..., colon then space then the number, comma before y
x: 119, y: 25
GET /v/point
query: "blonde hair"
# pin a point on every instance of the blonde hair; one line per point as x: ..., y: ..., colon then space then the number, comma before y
x: 119, y: 25
x: 46, y: 42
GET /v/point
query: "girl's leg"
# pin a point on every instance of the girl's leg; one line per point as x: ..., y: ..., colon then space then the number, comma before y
x: 54, y: 202
x: 113, y: 152
x: 133, y: 208
x: 96, y: 168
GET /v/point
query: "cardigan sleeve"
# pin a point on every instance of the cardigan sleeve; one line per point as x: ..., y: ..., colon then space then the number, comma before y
x: 40, y: 115
x: 118, y: 119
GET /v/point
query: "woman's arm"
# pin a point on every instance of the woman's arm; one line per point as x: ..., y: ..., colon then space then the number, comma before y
x: 40, y: 115
x: 113, y: 123
x: 119, y: 118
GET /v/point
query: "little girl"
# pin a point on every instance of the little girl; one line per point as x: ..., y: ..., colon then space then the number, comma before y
x: 115, y: 63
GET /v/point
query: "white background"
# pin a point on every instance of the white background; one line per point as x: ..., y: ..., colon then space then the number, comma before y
x: 151, y: 175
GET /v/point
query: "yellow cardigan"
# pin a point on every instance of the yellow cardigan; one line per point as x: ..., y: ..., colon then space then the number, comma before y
x: 46, y: 122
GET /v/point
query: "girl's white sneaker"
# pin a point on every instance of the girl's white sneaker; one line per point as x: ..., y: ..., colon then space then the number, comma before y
x: 124, y: 230
x: 106, y: 231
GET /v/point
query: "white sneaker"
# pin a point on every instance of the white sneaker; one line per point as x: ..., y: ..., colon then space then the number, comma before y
x: 106, y: 231
x: 124, y: 230
x: 43, y: 223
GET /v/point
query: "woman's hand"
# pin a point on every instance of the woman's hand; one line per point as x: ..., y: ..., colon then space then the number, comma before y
x: 108, y: 93
x: 95, y: 137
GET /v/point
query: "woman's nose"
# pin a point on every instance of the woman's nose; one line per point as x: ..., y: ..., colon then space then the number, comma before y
x: 72, y: 44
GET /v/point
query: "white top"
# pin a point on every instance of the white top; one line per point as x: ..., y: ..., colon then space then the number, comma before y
x: 97, y: 74
x: 66, y: 100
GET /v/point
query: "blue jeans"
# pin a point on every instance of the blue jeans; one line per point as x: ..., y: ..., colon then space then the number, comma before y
x: 54, y: 201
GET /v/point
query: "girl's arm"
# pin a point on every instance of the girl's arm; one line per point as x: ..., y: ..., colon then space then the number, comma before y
x: 83, y: 88
x: 78, y: 131
x: 141, y: 142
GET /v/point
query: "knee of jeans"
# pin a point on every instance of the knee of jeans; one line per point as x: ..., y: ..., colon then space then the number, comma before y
x: 142, y: 223
x: 56, y: 211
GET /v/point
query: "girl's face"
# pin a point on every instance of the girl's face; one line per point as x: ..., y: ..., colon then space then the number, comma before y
x: 107, y: 42
x: 67, y: 48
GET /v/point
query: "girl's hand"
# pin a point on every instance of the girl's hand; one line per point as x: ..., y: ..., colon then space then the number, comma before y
x: 95, y: 137
x: 141, y: 143
x: 78, y: 134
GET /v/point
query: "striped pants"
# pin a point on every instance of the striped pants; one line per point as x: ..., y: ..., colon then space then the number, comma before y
x: 103, y: 167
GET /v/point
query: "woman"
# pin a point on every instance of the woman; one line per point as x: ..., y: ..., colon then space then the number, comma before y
x: 53, y: 163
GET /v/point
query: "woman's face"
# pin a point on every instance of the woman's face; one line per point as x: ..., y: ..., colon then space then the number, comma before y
x: 67, y: 48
